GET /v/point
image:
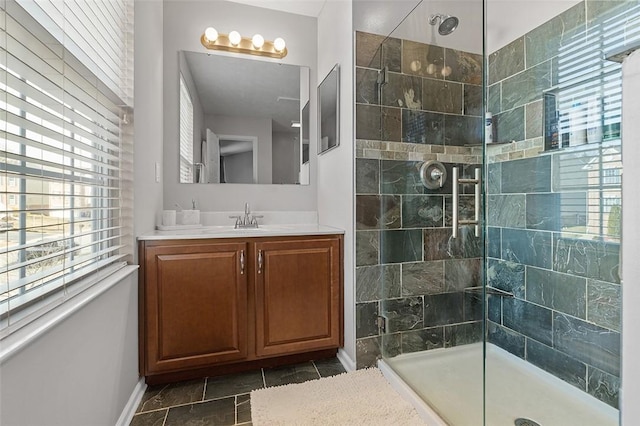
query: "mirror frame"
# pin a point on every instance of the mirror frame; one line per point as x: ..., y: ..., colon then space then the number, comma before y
x: 329, y: 99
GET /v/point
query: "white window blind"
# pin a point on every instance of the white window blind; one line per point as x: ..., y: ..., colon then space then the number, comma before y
x: 589, y: 103
x: 60, y: 172
x: 96, y: 32
x: 186, y: 133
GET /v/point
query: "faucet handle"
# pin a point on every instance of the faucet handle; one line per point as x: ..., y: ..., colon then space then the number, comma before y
x: 254, y: 219
x: 238, y: 219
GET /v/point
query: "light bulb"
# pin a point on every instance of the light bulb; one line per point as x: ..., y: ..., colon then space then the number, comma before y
x: 234, y: 38
x: 257, y: 41
x: 211, y: 34
x: 279, y: 44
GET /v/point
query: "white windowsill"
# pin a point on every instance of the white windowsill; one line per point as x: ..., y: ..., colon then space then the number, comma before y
x: 17, y: 339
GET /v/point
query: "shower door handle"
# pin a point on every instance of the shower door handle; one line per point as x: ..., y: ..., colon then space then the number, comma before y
x: 456, y: 202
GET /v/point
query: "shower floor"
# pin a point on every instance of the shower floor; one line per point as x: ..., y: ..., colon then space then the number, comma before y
x: 450, y: 380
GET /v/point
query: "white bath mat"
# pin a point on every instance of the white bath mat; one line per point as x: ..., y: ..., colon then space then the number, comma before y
x: 361, y: 397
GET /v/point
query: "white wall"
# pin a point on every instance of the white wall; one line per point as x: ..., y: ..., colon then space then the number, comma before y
x: 630, y: 409
x: 184, y: 22
x: 260, y: 128
x: 286, y: 158
x: 238, y: 168
x: 148, y: 132
x: 336, y: 186
x: 82, y: 371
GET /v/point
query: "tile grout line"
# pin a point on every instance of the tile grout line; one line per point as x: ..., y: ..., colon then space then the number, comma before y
x: 264, y: 380
x: 166, y: 416
x: 235, y: 411
x: 316, y: 368
x: 204, y: 389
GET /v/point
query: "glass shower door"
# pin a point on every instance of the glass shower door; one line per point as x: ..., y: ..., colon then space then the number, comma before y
x: 553, y: 216
x: 521, y: 323
x: 418, y: 105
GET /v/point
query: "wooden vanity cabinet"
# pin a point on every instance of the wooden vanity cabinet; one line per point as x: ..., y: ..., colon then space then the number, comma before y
x: 194, y: 298
x: 297, y: 296
x: 219, y: 303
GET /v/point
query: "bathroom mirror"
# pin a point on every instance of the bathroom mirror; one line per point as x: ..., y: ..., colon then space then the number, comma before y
x: 244, y: 119
x: 328, y: 99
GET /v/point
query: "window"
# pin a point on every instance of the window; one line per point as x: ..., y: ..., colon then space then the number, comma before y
x: 611, y: 177
x: 186, y: 133
x: 62, y: 145
x: 586, y: 102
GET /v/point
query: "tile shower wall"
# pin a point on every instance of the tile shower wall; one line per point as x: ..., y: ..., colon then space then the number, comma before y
x: 565, y: 316
x: 409, y: 270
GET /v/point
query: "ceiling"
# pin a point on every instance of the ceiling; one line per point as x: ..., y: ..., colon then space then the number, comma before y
x: 299, y: 7
x: 242, y: 87
x: 506, y: 19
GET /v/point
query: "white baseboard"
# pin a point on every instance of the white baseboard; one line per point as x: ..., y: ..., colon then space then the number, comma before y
x: 132, y: 404
x: 345, y: 360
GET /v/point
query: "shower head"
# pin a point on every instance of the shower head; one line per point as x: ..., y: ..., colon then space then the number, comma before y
x: 448, y: 24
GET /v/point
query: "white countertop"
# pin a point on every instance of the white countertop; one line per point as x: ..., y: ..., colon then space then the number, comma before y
x: 228, y: 231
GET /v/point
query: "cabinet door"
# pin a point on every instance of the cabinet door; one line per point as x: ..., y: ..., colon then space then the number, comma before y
x: 297, y: 295
x: 195, y: 305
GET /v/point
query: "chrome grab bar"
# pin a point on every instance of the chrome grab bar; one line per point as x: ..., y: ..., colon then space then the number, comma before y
x: 454, y: 212
x: 456, y: 195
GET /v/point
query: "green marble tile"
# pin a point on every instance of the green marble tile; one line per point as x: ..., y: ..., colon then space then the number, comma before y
x: 442, y: 96
x: 391, y: 119
x: 422, y: 59
x: 463, y: 67
x: 534, y: 120
x: 494, y: 98
x: 366, y: 86
x: 368, y: 122
x: 526, y: 86
x: 597, y: 10
x: 509, y: 126
x: 398, y: 246
x: 545, y: 41
x: 506, y: 61
x: 472, y: 104
x: 376, y: 51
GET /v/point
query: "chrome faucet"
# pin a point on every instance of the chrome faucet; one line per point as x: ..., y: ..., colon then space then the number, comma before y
x: 246, y: 221
x: 247, y: 214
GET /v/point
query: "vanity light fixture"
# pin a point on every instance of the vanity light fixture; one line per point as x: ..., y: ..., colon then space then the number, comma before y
x: 234, y: 42
x: 210, y: 34
x: 257, y: 41
x: 235, y: 38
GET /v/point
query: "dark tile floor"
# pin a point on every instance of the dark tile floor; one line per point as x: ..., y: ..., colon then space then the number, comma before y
x: 222, y: 400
